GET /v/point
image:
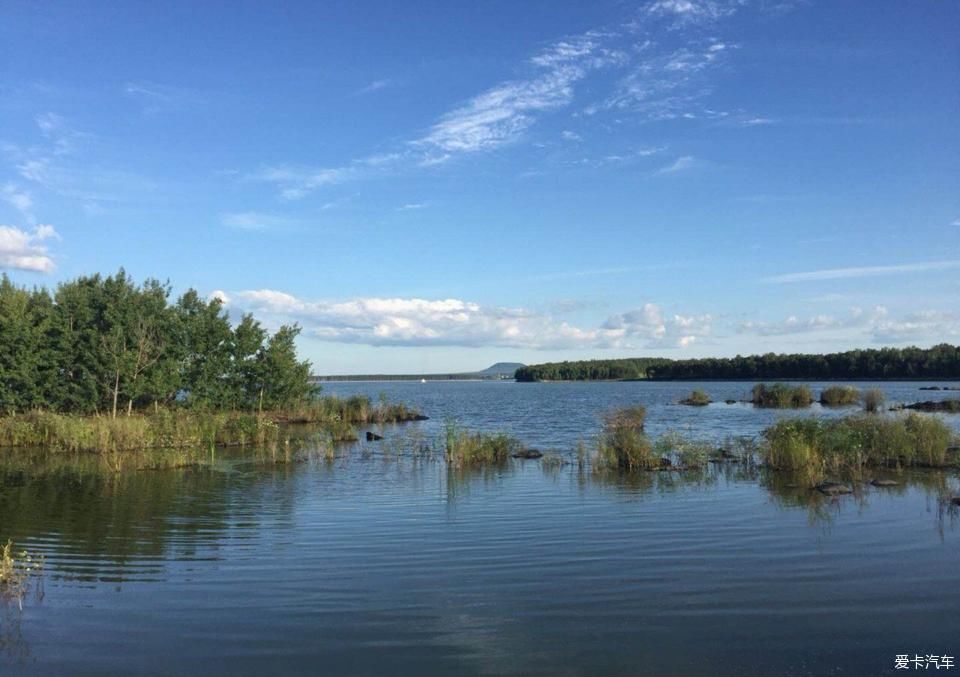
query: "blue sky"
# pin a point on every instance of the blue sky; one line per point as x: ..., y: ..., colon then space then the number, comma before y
x: 438, y: 186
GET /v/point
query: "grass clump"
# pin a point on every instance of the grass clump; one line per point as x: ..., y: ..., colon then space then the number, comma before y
x: 697, y: 398
x: 622, y: 444
x: 781, y: 396
x: 856, y: 442
x: 682, y: 452
x: 873, y: 400
x: 465, y: 448
x: 16, y: 569
x: 840, y: 396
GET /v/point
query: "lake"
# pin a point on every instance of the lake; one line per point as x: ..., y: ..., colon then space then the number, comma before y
x: 383, y: 561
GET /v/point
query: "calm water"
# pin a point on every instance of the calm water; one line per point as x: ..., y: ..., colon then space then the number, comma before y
x: 381, y: 562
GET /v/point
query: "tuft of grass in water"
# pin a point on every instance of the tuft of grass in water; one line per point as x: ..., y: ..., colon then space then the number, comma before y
x: 873, y: 400
x: 465, y: 448
x: 16, y: 570
x: 622, y: 444
x: 840, y: 396
x: 851, y: 444
x: 697, y: 398
x: 683, y: 452
x: 781, y: 396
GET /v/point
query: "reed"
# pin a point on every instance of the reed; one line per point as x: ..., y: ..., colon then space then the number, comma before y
x: 622, y: 444
x: 857, y: 442
x: 873, y: 400
x: 465, y: 448
x: 781, y: 396
x: 840, y: 396
x: 697, y: 398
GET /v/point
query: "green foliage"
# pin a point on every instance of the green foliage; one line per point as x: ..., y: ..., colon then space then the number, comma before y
x: 697, y: 398
x: 873, y: 400
x: 105, y: 345
x: 853, y: 443
x: 940, y: 361
x: 840, y: 396
x: 781, y: 396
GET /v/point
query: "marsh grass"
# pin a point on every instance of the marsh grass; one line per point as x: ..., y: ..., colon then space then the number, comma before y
x: 840, y: 396
x: 851, y: 444
x: 464, y: 448
x: 873, y: 400
x: 781, y: 396
x: 697, y: 398
x: 682, y: 451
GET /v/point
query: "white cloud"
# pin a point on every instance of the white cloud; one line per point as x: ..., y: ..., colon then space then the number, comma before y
x: 955, y: 222
x: 24, y: 250
x: 568, y: 135
x: 374, y: 86
x: 876, y: 325
x: 866, y: 271
x: 421, y: 322
x: 411, y: 205
x: 692, y: 11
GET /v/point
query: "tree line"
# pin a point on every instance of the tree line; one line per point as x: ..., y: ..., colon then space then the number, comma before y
x: 939, y: 362
x: 107, y: 345
x: 590, y: 370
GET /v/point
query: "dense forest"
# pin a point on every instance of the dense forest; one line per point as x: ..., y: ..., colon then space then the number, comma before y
x: 590, y: 370
x: 939, y: 362
x: 105, y: 344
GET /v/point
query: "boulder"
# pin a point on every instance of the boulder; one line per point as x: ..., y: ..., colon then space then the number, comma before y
x: 955, y: 500
x: 885, y: 483
x: 834, y: 488
x: 526, y: 453
x: 373, y: 437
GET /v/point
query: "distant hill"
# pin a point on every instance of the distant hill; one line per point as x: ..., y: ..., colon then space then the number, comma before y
x: 502, y: 369
x: 495, y: 372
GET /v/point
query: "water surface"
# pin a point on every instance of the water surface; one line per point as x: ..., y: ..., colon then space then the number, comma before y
x: 385, y: 562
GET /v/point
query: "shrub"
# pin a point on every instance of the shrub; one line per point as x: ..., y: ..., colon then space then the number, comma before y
x: 464, y: 448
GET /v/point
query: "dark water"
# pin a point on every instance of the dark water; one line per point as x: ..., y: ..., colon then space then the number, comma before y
x: 382, y: 562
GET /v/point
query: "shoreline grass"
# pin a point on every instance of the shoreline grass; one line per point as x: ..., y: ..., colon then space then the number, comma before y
x: 464, y: 448
x: 172, y: 428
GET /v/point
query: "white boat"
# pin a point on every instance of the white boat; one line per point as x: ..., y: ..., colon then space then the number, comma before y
x: 423, y: 380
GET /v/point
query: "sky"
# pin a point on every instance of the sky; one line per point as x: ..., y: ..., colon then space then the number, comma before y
x: 437, y: 186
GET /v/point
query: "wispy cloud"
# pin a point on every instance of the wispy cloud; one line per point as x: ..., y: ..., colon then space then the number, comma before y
x: 411, y: 206
x: 867, y: 271
x: 155, y: 98
x: 255, y: 221
x: 682, y: 164
x: 26, y: 250
x: 374, y: 86
x: 19, y: 199
x: 955, y: 222
x: 503, y: 113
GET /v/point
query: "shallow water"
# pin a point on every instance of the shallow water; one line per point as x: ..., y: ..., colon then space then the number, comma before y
x: 384, y: 562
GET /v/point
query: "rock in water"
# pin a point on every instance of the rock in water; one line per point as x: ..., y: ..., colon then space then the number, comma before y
x: 373, y: 437
x: 884, y: 483
x: 955, y: 500
x: 834, y: 488
x: 526, y: 453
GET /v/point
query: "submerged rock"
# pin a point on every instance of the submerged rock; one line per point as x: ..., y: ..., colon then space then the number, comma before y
x: 373, y: 437
x: 950, y: 406
x: 955, y: 500
x: 666, y: 462
x: 730, y: 401
x: 420, y: 417
x: 526, y: 453
x: 885, y: 483
x: 834, y: 488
